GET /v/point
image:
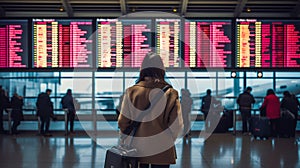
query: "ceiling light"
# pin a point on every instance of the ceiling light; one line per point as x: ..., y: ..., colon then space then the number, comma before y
x: 61, y: 9
x: 248, y: 10
x: 174, y: 10
x: 259, y: 74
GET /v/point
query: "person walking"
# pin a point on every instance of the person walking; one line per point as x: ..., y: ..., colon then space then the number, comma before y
x: 162, y: 123
x: 245, y: 102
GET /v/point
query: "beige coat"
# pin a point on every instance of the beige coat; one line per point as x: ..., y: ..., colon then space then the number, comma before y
x: 157, y: 132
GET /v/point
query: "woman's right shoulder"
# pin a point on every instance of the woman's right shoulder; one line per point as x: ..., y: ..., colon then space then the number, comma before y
x: 172, y: 92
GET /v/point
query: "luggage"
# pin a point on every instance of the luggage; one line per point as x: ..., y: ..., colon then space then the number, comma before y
x: 228, y: 114
x: 225, y: 122
x: 222, y: 126
x: 260, y: 127
x: 120, y: 157
x: 286, y: 124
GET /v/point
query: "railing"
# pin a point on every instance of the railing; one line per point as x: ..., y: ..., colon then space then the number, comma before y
x: 107, y: 117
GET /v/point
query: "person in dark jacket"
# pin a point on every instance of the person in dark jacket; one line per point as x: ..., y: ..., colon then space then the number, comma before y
x: 291, y: 104
x: 208, y: 101
x: 17, y: 113
x: 45, y: 111
x: 245, y: 101
x: 4, y: 103
x: 68, y: 103
x: 272, y: 105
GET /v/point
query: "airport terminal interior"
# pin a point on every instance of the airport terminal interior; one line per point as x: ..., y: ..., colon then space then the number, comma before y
x: 96, y: 47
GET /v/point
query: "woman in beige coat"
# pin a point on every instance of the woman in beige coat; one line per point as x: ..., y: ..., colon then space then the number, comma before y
x: 159, y: 128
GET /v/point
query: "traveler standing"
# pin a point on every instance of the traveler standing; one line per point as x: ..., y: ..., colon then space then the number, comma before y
x: 245, y: 101
x: 68, y: 103
x: 208, y: 103
x: 44, y: 111
x: 17, y: 113
x: 291, y: 104
x: 271, y: 105
x: 159, y: 128
x: 4, y: 103
x: 186, y: 108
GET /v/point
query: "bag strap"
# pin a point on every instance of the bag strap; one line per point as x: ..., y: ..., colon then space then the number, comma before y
x: 132, y: 128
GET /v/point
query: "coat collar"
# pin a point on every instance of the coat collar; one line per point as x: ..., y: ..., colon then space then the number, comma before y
x: 150, y: 84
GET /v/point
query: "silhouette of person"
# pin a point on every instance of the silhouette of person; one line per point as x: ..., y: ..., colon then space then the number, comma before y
x: 208, y: 101
x: 4, y: 103
x: 17, y: 113
x: 44, y: 111
x: 291, y: 104
x: 68, y: 103
x: 186, y: 108
x: 245, y: 101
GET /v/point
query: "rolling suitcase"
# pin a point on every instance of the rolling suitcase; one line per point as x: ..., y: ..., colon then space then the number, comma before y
x: 261, y: 127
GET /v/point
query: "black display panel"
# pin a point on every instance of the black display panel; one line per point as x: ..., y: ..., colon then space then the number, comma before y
x: 208, y: 43
x: 62, y: 43
x: 122, y: 42
x: 13, y: 43
x: 267, y: 43
x: 168, y: 41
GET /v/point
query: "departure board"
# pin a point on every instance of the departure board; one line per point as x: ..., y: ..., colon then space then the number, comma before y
x: 268, y: 43
x: 207, y: 43
x: 62, y: 43
x: 123, y: 42
x: 168, y: 41
x: 13, y: 43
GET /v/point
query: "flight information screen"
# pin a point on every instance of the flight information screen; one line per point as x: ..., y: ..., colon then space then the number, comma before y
x: 207, y: 43
x: 123, y: 43
x: 268, y: 43
x: 62, y: 43
x: 168, y: 41
x: 13, y: 43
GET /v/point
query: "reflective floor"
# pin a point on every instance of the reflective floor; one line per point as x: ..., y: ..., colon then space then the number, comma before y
x: 79, y: 151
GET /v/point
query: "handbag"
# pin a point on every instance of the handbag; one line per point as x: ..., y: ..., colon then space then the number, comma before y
x: 123, y: 155
x: 263, y: 112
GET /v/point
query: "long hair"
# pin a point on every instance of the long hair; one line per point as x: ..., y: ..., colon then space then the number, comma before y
x: 153, y: 67
x: 270, y: 91
x: 153, y: 73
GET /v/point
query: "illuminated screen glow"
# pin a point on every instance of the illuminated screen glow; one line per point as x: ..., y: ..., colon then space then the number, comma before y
x: 122, y: 43
x: 168, y: 41
x: 207, y: 43
x: 62, y: 43
x: 13, y: 44
x: 268, y: 43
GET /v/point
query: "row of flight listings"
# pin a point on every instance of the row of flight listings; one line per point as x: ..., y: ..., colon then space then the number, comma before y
x: 106, y: 43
